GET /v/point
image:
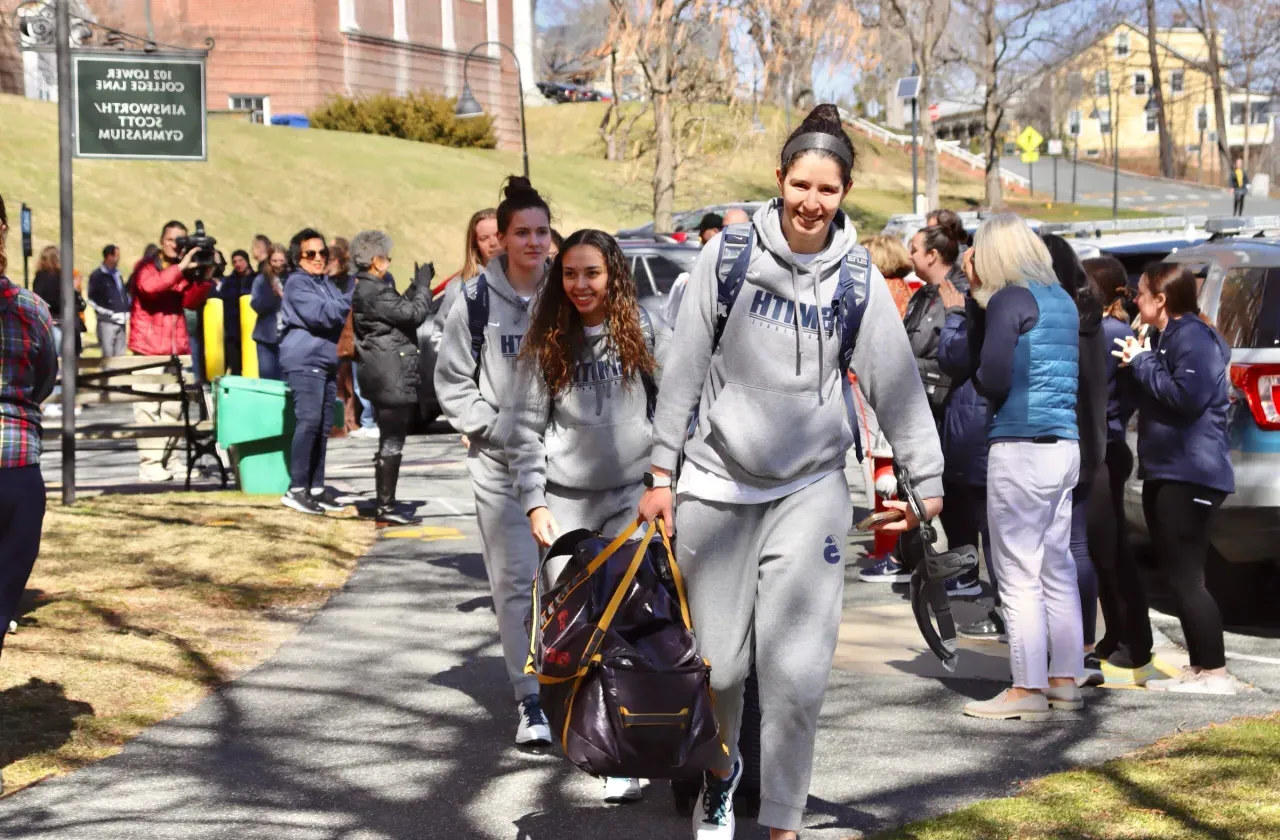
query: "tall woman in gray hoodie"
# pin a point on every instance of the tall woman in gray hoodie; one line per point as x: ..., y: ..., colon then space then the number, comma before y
x: 471, y: 391
x: 579, y: 434
x: 764, y: 508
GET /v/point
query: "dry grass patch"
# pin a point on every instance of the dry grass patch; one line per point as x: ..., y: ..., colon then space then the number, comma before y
x: 1219, y: 783
x: 140, y: 605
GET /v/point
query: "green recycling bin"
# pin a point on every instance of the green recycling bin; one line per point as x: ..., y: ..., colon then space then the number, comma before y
x: 255, y: 422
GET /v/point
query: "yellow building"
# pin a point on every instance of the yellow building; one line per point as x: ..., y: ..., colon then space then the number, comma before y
x: 1106, y: 89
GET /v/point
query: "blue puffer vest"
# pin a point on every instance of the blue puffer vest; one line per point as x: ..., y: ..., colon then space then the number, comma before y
x: 1046, y: 373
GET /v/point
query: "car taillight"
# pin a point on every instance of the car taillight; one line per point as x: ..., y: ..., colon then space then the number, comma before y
x: 1260, y: 384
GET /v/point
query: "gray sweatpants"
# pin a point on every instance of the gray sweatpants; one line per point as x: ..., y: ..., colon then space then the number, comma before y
x: 769, y: 578
x: 606, y: 511
x: 510, y: 561
x: 111, y: 338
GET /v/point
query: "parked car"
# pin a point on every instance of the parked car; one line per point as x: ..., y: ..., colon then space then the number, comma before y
x: 1240, y: 295
x: 655, y: 266
x: 685, y: 222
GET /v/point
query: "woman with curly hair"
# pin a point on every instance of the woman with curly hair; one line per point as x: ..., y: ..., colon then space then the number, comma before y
x: 579, y: 437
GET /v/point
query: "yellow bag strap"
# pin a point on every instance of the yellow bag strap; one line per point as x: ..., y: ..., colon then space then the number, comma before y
x: 600, y: 560
x: 677, y: 576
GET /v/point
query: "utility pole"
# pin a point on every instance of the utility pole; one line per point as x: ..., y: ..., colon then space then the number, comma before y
x: 1115, y: 158
x: 69, y: 316
x: 1075, y: 165
x: 915, y: 164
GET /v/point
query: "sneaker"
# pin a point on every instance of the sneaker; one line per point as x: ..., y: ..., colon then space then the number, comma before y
x: 963, y: 587
x: 154, y: 472
x: 365, y: 433
x: 991, y: 628
x: 391, y: 515
x: 713, y: 815
x: 302, y: 502
x: 618, y: 791
x: 1065, y: 697
x: 533, y: 731
x: 1195, y: 682
x: 1092, y: 674
x: 1033, y: 707
x: 327, y: 500
x: 887, y: 570
x: 1124, y: 668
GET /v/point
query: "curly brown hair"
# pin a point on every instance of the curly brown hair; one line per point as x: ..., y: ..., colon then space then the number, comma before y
x: 555, y: 337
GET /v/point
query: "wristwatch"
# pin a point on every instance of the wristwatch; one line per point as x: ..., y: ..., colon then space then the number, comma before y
x: 651, y: 481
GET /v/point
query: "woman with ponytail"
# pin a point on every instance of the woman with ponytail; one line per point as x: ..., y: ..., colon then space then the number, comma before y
x: 473, y: 374
x: 764, y: 510
x: 579, y: 435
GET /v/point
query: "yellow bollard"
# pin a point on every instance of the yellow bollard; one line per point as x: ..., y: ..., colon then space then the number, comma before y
x: 248, y: 347
x: 214, y: 363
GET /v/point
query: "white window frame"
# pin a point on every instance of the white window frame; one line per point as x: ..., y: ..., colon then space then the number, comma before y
x: 400, y: 20
x: 1122, y: 45
x: 1104, y: 120
x: 1177, y: 80
x: 347, y: 21
x: 1102, y: 83
x: 1153, y: 124
x: 246, y: 106
x: 1139, y: 79
x: 1073, y: 121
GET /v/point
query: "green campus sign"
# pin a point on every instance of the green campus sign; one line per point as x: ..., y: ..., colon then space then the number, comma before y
x: 150, y: 106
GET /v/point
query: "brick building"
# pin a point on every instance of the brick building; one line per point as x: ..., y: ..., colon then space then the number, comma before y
x: 286, y: 56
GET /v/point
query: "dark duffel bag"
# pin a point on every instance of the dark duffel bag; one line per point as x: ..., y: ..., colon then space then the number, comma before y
x: 613, y: 648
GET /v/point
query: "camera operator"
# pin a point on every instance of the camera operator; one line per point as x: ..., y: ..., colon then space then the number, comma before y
x: 158, y: 327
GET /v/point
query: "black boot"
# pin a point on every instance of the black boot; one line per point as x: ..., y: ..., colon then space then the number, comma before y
x: 386, y: 475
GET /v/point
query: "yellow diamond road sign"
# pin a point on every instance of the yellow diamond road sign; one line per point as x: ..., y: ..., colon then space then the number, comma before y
x: 1029, y: 140
x: 1030, y: 157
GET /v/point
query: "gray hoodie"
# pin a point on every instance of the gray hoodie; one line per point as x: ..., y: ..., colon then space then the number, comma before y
x: 769, y: 400
x: 471, y: 407
x: 595, y: 436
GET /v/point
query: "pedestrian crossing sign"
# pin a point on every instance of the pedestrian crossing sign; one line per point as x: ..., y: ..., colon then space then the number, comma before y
x: 1029, y: 140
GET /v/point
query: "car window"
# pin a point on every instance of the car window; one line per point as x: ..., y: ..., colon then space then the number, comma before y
x: 665, y: 271
x: 1249, y: 307
x: 644, y: 288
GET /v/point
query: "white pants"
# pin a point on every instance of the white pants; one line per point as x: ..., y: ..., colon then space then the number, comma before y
x: 1029, y: 514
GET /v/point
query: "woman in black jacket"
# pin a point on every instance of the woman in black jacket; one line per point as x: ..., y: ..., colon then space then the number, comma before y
x: 385, y: 324
x: 1091, y: 420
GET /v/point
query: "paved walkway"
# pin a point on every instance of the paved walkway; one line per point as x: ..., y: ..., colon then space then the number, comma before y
x: 388, y: 717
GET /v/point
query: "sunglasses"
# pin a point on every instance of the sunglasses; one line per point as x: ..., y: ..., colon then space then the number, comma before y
x: 322, y: 254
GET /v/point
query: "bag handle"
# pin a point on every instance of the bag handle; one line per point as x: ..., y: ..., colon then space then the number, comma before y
x: 600, y: 560
x: 611, y: 611
x: 676, y: 575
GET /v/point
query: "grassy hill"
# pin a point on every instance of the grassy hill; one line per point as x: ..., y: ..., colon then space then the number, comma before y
x: 278, y: 180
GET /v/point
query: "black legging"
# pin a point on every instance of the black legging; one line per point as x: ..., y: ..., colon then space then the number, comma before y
x: 1120, y: 592
x: 393, y: 427
x: 1178, y: 516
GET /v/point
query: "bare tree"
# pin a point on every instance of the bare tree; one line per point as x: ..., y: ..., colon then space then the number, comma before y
x: 791, y: 35
x: 668, y: 41
x: 1252, y: 49
x: 925, y: 23
x: 1157, y: 94
x: 1203, y: 16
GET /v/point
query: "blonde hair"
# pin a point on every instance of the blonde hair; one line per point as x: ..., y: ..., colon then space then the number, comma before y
x: 889, y: 255
x: 1007, y: 252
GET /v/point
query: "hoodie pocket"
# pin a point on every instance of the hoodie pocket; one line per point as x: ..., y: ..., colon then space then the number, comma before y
x: 777, y: 435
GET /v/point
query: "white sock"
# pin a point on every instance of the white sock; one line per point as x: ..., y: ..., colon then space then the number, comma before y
x: 316, y: 492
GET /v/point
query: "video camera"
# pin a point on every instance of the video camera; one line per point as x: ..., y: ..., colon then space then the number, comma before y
x: 202, y: 243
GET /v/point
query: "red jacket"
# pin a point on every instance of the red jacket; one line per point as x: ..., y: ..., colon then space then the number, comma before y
x: 157, y: 325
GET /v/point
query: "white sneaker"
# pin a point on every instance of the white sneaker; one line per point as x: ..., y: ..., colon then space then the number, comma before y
x: 1195, y: 682
x: 713, y: 814
x: 533, y: 731
x: 364, y: 433
x: 619, y: 791
x: 154, y: 472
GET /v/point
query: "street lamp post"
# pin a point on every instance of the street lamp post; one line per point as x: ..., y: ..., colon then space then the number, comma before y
x: 1115, y: 156
x: 469, y: 107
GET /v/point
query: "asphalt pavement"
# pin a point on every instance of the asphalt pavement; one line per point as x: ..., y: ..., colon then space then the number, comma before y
x: 388, y: 716
x: 1137, y: 192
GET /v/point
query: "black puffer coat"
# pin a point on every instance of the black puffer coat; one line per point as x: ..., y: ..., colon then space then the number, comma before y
x: 386, y: 351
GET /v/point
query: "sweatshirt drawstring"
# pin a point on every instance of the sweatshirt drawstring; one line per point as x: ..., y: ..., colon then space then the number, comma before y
x: 822, y: 337
x: 795, y: 296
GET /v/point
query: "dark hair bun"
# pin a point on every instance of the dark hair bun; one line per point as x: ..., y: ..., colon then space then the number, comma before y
x: 517, y: 185
x: 518, y: 194
x: 824, y: 118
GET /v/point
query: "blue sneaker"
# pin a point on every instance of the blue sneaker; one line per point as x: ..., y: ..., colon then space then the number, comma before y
x: 713, y: 815
x: 887, y: 570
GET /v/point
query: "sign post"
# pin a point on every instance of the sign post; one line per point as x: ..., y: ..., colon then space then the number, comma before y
x: 26, y: 246
x: 119, y: 96
x: 1055, y: 150
x: 909, y: 88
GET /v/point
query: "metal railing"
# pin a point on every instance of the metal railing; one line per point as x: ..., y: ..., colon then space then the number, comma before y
x: 947, y: 147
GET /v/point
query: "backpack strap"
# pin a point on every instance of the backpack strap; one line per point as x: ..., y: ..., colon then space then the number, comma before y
x: 736, y: 242
x: 477, y: 318
x: 850, y: 305
x: 650, y: 386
